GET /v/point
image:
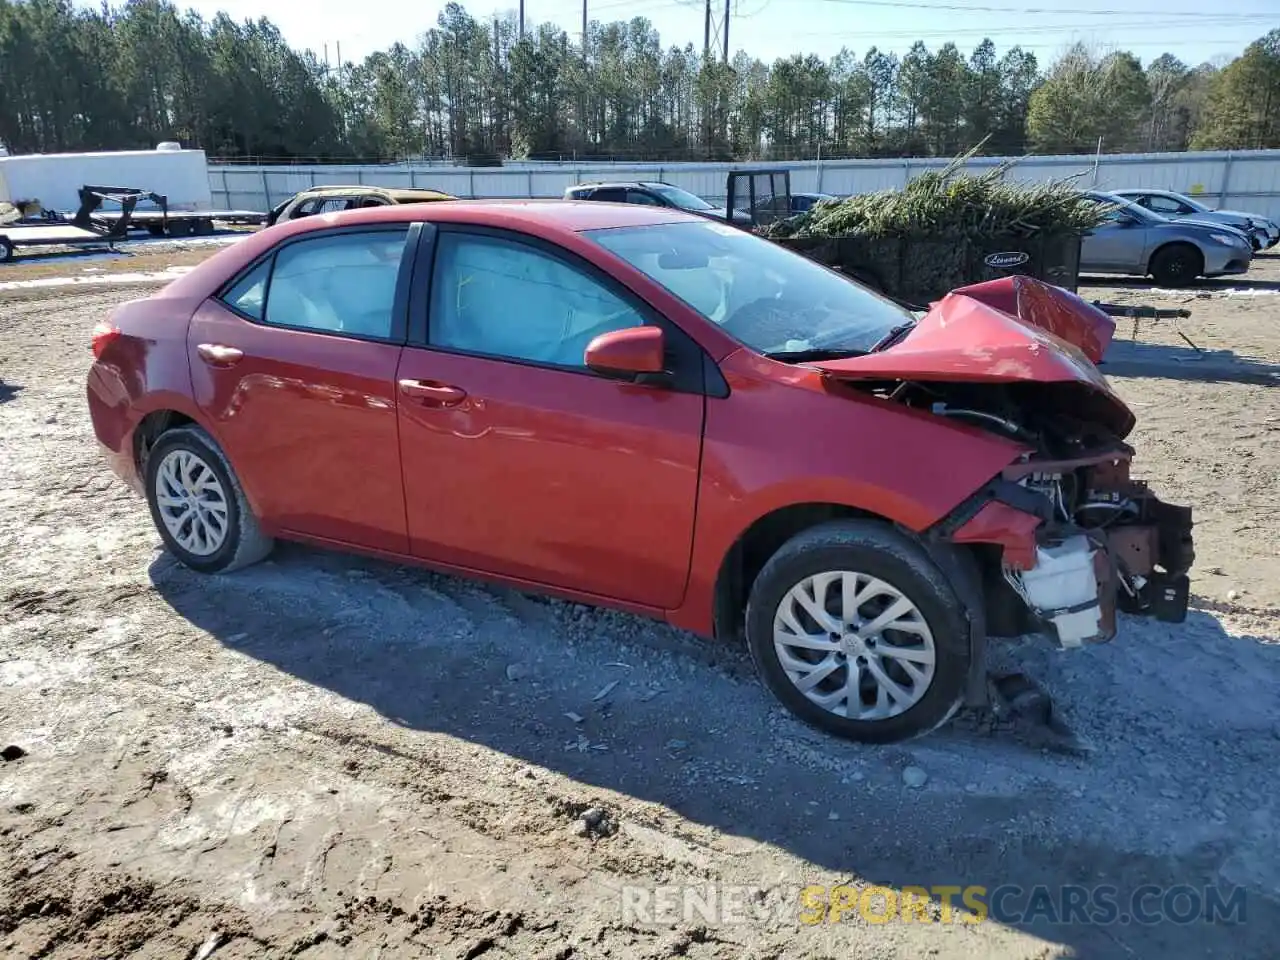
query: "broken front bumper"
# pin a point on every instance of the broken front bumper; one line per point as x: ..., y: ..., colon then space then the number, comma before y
x: 1067, y: 572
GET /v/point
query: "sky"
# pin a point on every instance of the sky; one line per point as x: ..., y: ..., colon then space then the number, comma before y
x: 1190, y: 29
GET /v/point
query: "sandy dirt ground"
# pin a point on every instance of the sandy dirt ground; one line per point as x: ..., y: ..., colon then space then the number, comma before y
x: 323, y: 756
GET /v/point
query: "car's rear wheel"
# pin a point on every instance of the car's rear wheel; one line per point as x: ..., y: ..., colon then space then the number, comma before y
x: 1176, y: 265
x: 198, y: 505
x: 6, y: 250
x: 856, y: 631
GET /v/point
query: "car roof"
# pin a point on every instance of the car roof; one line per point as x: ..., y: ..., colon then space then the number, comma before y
x: 555, y: 220
x: 621, y: 183
x: 398, y: 194
x: 544, y: 217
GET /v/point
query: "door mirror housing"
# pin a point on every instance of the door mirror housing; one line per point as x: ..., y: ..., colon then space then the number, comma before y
x: 631, y: 353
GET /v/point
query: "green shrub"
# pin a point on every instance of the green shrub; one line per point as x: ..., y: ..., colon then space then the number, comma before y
x: 949, y: 204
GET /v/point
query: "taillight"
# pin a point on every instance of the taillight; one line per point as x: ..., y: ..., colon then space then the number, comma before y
x: 103, y: 334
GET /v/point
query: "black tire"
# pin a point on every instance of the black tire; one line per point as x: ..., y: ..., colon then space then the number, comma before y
x: 155, y: 229
x: 180, y: 228
x: 1176, y: 265
x: 244, y: 542
x: 877, y: 550
x: 6, y: 250
x: 203, y: 228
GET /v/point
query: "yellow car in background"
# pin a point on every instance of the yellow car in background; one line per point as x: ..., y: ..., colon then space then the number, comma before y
x: 331, y: 199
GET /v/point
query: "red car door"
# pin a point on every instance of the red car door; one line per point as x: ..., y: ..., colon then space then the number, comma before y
x: 521, y: 462
x: 295, y: 366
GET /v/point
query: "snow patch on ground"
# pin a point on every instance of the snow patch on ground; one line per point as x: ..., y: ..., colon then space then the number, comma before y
x: 96, y: 280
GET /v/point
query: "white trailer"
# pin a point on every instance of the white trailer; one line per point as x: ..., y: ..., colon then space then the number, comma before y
x: 171, y: 187
x: 54, y: 179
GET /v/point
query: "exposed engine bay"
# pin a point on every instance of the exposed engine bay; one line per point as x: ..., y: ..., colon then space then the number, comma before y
x: 1103, y: 540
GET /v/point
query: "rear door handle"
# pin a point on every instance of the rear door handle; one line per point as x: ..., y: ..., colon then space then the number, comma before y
x: 219, y: 355
x: 433, y: 394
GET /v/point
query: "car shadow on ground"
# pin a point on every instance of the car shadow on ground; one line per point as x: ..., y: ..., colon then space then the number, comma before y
x: 623, y: 704
x: 1133, y: 358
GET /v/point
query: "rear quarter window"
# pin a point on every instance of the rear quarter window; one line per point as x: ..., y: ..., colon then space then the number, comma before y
x: 249, y: 294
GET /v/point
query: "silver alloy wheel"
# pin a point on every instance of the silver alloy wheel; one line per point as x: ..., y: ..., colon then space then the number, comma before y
x: 854, y: 645
x: 192, y: 503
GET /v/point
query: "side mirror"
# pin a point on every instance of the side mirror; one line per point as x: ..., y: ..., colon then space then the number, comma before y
x: 629, y: 353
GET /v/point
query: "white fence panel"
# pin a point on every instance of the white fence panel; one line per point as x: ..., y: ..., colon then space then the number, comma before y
x: 1241, y: 181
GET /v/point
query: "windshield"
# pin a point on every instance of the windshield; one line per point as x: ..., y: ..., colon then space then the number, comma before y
x: 681, y: 198
x: 763, y: 295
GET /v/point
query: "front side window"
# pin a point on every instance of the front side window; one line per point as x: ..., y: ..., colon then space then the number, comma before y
x: 1164, y: 205
x: 345, y: 283
x: 763, y: 295
x: 504, y: 298
x: 639, y: 196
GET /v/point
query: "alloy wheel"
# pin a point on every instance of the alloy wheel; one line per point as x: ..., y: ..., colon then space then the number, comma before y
x: 854, y: 645
x: 191, y: 502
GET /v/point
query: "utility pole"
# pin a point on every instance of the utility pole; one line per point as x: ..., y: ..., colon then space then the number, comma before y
x: 706, y: 34
x: 521, y: 19
x: 584, y: 29
x: 726, y: 30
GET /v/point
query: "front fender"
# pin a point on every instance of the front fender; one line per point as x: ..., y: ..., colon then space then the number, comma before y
x: 777, y: 443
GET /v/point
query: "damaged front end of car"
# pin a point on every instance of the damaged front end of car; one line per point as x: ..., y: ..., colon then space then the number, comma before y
x: 1064, y: 535
x: 1068, y: 542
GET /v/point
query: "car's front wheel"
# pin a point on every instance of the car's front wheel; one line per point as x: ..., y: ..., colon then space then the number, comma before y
x: 856, y: 631
x: 198, y: 505
x: 1176, y: 265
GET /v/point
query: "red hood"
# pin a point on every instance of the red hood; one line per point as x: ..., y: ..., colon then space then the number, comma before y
x: 1015, y: 329
x: 1065, y: 315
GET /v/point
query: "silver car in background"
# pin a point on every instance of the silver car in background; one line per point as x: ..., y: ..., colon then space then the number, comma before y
x: 1263, y: 231
x: 1135, y: 241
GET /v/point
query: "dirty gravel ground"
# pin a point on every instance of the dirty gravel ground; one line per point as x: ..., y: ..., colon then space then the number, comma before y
x: 324, y: 756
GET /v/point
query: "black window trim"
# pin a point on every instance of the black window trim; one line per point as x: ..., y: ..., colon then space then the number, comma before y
x: 400, y: 302
x: 694, y: 370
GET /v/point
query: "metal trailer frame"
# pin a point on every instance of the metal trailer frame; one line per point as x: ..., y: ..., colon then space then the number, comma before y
x: 779, y: 193
x: 91, y: 226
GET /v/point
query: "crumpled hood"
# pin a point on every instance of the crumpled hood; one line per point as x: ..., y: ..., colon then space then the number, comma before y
x: 1011, y: 330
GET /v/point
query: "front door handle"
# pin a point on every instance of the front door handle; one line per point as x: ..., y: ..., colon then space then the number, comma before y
x: 219, y: 355
x: 433, y: 394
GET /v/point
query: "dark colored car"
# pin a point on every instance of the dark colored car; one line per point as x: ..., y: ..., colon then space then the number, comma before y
x: 654, y: 193
x: 1136, y: 241
x: 640, y: 408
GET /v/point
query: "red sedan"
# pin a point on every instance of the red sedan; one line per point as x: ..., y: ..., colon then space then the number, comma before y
x: 644, y: 409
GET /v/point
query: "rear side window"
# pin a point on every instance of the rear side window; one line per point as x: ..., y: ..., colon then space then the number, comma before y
x: 339, y: 284
x: 249, y: 295
x: 344, y: 284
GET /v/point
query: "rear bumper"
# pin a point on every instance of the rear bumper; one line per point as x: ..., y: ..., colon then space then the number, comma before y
x: 112, y: 425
